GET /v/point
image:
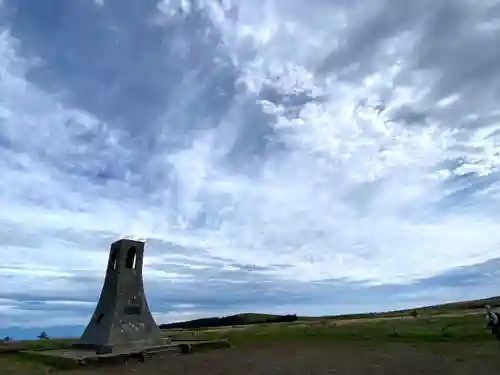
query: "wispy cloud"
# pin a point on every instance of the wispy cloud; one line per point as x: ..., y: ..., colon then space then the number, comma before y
x: 275, y: 156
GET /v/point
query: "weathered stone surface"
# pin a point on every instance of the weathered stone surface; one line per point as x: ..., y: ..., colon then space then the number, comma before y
x: 122, y: 317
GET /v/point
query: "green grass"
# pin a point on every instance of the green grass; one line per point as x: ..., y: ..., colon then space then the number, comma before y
x: 12, y: 362
x: 469, y: 328
x: 450, y: 322
x: 16, y: 346
x: 16, y: 365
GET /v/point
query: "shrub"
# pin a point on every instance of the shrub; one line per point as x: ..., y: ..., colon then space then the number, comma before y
x: 43, y: 336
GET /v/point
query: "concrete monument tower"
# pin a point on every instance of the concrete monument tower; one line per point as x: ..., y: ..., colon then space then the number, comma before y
x: 122, y: 317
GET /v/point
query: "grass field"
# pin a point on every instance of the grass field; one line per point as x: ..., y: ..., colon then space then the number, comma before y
x: 469, y: 327
x: 452, y: 327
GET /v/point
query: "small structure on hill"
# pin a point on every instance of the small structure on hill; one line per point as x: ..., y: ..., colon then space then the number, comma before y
x: 122, y: 318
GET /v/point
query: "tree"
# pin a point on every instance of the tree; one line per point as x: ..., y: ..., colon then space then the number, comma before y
x: 414, y: 313
x: 43, y: 336
x: 7, y: 338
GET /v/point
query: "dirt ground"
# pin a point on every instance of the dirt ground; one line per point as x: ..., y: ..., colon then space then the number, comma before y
x: 322, y: 359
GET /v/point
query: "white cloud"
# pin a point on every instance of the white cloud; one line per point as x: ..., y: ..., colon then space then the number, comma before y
x: 300, y: 209
x: 36, y: 318
x: 351, y: 193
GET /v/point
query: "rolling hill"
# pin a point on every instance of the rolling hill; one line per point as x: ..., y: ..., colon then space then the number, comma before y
x: 254, y: 318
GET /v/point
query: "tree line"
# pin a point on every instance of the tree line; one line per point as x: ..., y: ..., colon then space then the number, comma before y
x: 233, y: 320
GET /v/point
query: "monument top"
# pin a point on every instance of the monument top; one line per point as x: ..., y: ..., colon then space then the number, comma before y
x: 125, y: 240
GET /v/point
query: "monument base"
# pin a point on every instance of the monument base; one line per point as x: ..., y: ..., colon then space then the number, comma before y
x: 129, y: 346
x: 77, y: 356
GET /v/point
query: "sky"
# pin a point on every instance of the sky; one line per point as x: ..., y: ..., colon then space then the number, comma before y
x: 301, y: 156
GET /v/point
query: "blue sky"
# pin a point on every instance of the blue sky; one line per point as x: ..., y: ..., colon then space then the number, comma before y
x: 310, y: 157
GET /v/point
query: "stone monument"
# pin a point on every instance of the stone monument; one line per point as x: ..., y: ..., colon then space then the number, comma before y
x: 122, y: 319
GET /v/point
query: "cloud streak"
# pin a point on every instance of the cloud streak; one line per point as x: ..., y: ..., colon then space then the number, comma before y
x: 262, y: 151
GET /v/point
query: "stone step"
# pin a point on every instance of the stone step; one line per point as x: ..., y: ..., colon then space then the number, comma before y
x: 171, y: 349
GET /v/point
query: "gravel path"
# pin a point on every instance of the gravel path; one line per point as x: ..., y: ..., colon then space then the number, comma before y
x: 348, y: 359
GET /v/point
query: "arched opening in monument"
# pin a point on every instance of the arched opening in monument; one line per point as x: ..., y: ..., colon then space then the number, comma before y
x: 131, y: 258
x: 113, y: 261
